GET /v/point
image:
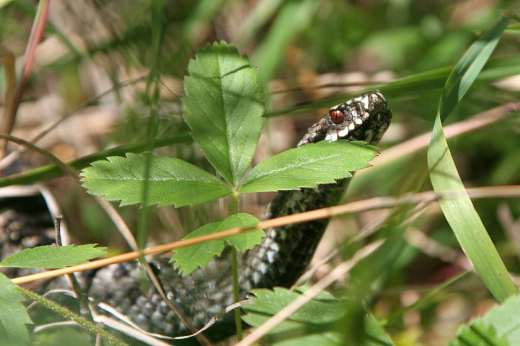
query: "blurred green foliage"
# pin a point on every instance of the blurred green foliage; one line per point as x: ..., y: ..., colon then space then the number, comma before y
x: 298, y: 44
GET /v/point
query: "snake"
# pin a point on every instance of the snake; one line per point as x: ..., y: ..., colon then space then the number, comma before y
x: 279, y: 260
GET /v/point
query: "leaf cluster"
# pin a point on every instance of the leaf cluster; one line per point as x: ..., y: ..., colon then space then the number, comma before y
x: 224, y: 112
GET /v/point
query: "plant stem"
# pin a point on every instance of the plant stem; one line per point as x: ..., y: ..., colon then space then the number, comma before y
x: 91, y: 327
x: 84, y: 308
x: 238, y: 321
x: 234, y: 203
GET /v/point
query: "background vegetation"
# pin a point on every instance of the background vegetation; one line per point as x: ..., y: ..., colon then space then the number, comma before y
x: 93, y: 68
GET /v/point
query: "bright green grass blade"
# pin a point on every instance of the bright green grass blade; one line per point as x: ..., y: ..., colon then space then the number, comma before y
x: 293, y: 18
x: 13, y: 316
x: 459, y: 210
x: 171, y: 181
x: 469, y: 68
x: 52, y: 257
x: 308, y: 166
x: 495, y: 69
x: 225, y: 107
x: 464, y: 219
x: 189, y: 258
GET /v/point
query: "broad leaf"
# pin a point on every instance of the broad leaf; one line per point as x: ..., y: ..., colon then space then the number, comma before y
x: 500, y: 326
x: 316, y: 323
x: 506, y: 320
x: 52, y: 257
x: 13, y: 316
x: 309, y: 165
x: 189, y: 258
x: 478, y: 333
x: 225, y: 107
x: 172, y: 181
x: 459, y: 210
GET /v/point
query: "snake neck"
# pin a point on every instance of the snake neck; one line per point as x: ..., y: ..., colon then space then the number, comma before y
x: 286, y: 251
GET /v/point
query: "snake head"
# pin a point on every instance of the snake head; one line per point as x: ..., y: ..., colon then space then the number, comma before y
x: 365, y: 117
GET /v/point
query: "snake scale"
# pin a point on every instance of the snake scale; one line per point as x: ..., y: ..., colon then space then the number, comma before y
x: 279, y: 260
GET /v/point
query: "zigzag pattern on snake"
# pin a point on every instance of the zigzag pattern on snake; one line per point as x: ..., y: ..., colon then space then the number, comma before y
x: 279, y: 260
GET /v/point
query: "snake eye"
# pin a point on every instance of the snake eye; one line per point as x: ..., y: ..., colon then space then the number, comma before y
x: 337, y: 117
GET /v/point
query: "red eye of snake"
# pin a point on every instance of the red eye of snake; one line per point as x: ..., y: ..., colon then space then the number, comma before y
x: 337, y: 117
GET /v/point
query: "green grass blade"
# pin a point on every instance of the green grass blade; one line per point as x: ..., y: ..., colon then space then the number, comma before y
x: 495, y: 69
x: 469, y: 68
x: 459, y: 210
x: 259, y: 16
x: 291, y: 20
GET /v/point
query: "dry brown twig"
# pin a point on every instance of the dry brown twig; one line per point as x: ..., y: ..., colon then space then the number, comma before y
x: 354, y: 207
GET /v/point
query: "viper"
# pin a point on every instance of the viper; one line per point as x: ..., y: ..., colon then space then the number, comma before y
x: 279, y: 260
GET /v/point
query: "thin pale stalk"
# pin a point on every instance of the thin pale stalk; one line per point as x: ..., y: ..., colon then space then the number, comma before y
x: 325, y: 213
x: 84, y: 308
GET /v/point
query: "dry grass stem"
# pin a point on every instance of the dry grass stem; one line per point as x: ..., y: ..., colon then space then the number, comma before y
x: 355, y: 207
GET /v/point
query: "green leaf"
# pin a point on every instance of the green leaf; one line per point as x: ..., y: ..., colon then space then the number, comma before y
x: 469, y: 67
x: 376, y: 335
x: 478, y: 333
x: 189, y: 258
x: 500, y: 326
x: 309, y: 165
x: 316, y: 323
x: 506, y: 320
x: 13, y: 316
x: 172, y: 181
x: 225, y: 107
x: 52, y: 257
x: 459, y: 210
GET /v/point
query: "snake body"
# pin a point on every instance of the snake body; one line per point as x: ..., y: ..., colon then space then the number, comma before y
x: 279, y: 260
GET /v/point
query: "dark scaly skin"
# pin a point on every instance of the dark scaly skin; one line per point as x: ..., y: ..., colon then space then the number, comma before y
x: 279, y: 260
